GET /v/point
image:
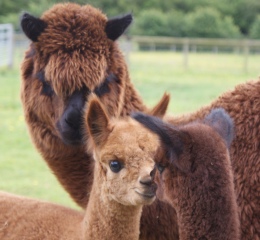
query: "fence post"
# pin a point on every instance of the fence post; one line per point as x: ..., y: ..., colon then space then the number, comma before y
x: 6, y: 45
x: 126, y: 44
x: 186, y: 53
x: 246, y: 52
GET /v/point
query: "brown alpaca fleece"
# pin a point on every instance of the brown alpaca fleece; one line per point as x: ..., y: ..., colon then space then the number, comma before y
x: 195, y: 176
x: 123, y: 153
x: 243, y: 106
x: 30, y: 219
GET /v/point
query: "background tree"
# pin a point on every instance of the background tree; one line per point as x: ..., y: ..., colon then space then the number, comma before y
x: 255, y: 28
x: 178, y: 18
x: 208, y: 22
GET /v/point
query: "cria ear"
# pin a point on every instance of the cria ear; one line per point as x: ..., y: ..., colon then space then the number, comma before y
x: 115, y: 27
x: 222, y: 123
x: 173, y: 139
x: 161, y: 107
x: 182, y: 145
x: 32, y: 26
x: 97, y: 121
x: 162, y: 129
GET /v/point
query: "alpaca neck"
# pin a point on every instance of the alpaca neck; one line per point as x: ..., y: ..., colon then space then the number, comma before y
x: 207, y: 210
x: 107, y: 219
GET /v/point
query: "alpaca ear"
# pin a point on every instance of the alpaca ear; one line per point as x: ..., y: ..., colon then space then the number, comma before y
x: 32, y: 26
x: 115, y: 27
x: 161, y: 107
x: 97, y: 121
x: 222, y: 123
x: 174, y: 140
x: 169, y: 135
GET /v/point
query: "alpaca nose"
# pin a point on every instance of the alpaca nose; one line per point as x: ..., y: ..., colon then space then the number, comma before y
x: 73, y: 118
x: 147, y: 181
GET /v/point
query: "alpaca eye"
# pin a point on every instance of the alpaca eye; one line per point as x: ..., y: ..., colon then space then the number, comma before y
x: 115, y: 166
x: 160, y: 168
x: 46, y: 87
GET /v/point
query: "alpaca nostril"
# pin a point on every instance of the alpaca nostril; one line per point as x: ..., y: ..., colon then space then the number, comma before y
x: 73, y: 118
x: 146, y: 181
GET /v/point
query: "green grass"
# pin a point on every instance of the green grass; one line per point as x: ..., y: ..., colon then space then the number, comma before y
x: 22, y: 170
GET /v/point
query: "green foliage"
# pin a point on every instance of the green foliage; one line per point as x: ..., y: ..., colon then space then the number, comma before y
x: 208, y: 22
x: 12, y: 6
x: 155, y: 23
x: 245, y: 13
x: 176, y: 24
x: 255, y: 29
x: 204, y: 22
x: 150, y: 23
x: 37, y: 8
x: 11, y: 18
x: 235, y: 17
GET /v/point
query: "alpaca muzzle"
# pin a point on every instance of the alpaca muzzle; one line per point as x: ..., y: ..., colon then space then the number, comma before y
x: 70, y: 123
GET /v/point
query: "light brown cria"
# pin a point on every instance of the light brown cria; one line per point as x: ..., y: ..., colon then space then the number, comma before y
x: 123, y: 153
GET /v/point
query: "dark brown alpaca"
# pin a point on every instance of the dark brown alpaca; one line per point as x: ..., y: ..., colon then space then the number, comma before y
x: 195, y: 175
x: 243, y: 106
x: 73, y: 52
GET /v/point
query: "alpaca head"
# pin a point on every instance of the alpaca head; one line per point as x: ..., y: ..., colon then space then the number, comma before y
x: 72, y: 54
x: 124, y: 152
x: 189, y: 150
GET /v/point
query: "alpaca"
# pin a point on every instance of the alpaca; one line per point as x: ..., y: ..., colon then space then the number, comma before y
x: 195, y: 176
x: 60, y: 70
x: 243, y: 106
x: 123, y: 153
x: 74, y: 52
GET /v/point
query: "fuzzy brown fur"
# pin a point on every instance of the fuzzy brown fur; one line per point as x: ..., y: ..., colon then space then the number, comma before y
x: 243, y: 105
x: 116, y: 199
x: 195, y: 176
x: 68, y: 162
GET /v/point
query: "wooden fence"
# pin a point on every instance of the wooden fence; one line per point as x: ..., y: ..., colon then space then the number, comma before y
x: 245, y: 47
x: 187, y: 45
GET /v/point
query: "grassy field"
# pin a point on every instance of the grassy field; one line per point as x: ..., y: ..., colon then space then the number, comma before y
x: 22, y: 170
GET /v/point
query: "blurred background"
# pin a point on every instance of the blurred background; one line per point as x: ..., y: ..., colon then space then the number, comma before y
x: 194, y: 50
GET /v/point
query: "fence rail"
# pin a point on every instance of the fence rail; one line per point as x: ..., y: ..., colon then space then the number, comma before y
x: 196, y: 41
x: 187, y: 45
x: 245, y: 47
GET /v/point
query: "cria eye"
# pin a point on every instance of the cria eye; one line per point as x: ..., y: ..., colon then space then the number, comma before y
x: 115, y: 166
x: 160, y: 168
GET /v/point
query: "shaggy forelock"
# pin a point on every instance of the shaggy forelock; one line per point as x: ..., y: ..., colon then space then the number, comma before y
x: 74, y: 27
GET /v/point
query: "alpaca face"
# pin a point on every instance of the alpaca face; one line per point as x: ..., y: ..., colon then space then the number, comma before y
x: 127, y: 159
x: 204, y: 150
x: 71, y: 55
x: 124, y: 154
